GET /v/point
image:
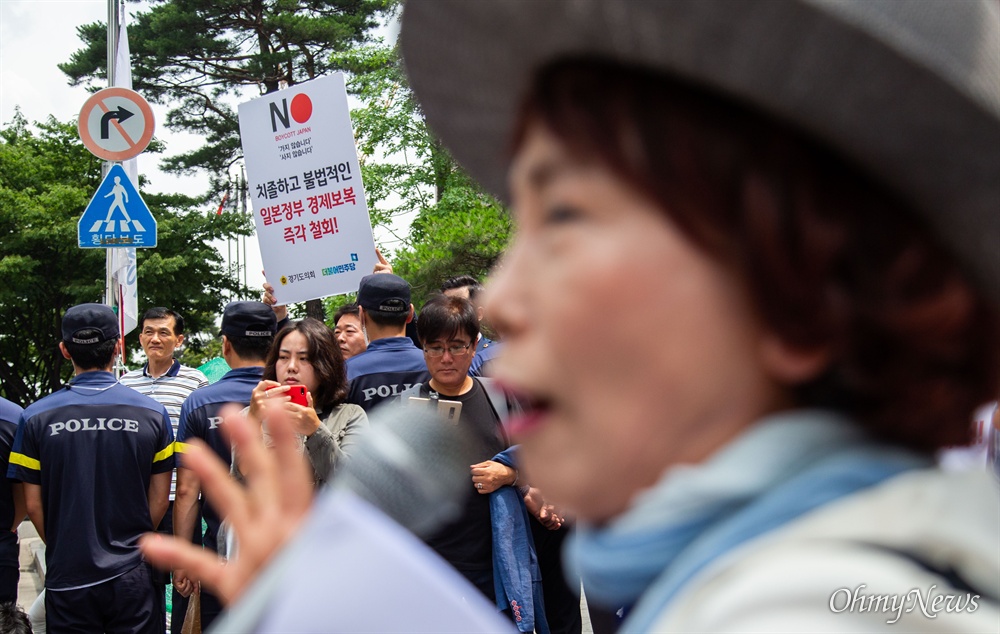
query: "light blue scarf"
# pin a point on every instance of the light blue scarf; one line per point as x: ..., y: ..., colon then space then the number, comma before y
x: 782, y: 467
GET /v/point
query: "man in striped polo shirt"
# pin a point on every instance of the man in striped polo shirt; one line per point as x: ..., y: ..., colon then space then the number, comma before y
x: 164, y: 379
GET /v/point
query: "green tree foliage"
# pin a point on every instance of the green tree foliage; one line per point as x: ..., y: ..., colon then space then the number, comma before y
x: 47, y: 178
x: 459, y: 228
x: 190, y: 55
x: 464, y: 233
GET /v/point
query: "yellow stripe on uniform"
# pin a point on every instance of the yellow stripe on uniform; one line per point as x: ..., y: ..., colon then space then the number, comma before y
x: 166, y: 453
x: 180, y: 447
x: 25, y: 461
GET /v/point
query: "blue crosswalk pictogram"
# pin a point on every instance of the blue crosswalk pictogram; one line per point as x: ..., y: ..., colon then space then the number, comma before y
x: 117, y: 215
x: 120, y: 198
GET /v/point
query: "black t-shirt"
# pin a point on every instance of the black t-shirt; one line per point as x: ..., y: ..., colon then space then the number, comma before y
x: 467, y: 543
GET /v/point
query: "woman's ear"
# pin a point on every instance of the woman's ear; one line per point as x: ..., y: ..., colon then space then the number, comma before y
x: 792, y: 365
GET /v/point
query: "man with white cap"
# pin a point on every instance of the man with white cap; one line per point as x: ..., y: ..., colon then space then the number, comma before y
x: 95, y: 460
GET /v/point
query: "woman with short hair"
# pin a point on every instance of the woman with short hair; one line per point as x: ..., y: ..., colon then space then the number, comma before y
x: 793, y: 211
x: 789, y: 214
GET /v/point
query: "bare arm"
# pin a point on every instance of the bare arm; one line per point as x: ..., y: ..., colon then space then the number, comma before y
x: 20, y: 508
x: 186, y: 503
x: 185, y: 515
x: 33, y: 504
x: 545, y: 513
x: 159, y: 496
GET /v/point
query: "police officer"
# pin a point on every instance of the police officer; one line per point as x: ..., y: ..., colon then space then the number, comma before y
x: 11, y: 505
x: 95, y: 461
x: 468, y: 287
x: 247, y: 332
x: 391, y: 364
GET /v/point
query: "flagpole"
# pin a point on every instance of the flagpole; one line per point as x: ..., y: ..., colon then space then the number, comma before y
x: 112, y: 55
x: 109, y: 286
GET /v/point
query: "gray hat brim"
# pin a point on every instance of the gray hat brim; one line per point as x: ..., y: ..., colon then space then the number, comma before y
x: 908, y: 90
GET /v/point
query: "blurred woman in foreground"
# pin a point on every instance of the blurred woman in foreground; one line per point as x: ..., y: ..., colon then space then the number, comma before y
x: 798, y: 235
x: 791, y: 210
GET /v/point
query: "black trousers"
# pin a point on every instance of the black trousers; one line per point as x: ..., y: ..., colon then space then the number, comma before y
x: 126, y: 604
x: 562, y: 601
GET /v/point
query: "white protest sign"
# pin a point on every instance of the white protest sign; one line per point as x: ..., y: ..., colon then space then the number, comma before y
x: 305, y: 186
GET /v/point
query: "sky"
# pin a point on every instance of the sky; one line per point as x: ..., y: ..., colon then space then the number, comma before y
x: 35, y: 36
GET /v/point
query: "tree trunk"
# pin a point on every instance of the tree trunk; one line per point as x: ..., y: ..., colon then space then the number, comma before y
x: 315, y: 308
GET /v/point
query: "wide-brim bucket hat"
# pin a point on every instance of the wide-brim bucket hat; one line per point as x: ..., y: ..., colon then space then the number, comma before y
x: 907, y: 89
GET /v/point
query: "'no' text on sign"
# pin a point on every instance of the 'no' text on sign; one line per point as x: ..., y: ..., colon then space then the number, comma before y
x: 116, y: 124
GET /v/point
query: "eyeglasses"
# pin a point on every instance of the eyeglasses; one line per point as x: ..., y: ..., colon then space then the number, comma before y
x: 455, y: 351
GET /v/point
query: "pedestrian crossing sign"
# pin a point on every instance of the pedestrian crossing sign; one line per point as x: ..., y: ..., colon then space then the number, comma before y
x: 116, y: 216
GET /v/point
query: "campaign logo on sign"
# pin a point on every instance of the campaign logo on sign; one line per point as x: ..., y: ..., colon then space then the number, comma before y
x: 116, y: 216
x: 116, y: 124
x: 301, y: 109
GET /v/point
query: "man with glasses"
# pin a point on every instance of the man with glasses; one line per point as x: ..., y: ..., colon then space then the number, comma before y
x: 448, y: 327
x: 392, y: 363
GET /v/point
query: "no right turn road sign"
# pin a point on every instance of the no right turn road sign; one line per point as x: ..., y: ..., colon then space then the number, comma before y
x: 116, y: 124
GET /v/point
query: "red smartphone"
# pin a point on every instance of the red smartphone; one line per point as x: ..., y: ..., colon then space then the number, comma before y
x: 298, y: 394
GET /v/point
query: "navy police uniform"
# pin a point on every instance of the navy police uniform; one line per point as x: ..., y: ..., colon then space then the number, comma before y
x: 200, y: 418
x: 387, y: 368
x: 93, y: 447
x: 390, y: 365
x: 486, y: 351
x: 9, y: 568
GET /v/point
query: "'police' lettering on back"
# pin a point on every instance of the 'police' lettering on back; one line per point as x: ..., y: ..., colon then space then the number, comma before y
x: 384, y: 391
x: 97, y: 424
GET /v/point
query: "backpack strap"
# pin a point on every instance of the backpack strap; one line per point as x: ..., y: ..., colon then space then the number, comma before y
x: 503, y: 408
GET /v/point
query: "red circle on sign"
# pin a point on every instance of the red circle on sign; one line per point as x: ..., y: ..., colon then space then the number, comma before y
x: 302, y: 107
x: 96, y: 102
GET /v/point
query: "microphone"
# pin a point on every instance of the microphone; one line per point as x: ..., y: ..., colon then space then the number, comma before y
x: 356, y: 564
x: 409, y: 466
